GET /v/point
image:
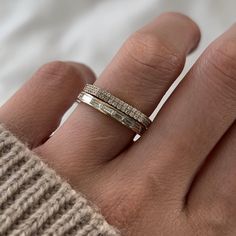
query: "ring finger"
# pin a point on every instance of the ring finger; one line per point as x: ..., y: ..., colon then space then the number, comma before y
x: 150, y: 60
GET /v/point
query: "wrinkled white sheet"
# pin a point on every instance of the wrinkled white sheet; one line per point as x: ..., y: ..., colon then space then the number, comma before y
x: 89, y: 31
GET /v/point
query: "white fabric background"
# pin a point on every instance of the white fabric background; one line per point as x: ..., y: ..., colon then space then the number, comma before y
x: 89, y: 31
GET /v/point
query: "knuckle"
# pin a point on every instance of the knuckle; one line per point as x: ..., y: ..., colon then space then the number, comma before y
x: 222, y: 62
x: 57, y: 72
x: 149, y: 51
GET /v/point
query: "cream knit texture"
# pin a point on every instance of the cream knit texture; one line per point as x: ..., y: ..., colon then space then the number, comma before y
x: 34, y: 200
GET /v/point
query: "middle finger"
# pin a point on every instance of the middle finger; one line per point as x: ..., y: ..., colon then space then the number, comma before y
x: 193, y: 120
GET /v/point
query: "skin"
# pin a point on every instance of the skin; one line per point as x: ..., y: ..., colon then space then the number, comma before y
x: 179, y: 177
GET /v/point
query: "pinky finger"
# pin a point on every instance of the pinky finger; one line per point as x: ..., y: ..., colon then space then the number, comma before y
x: 36, y: 109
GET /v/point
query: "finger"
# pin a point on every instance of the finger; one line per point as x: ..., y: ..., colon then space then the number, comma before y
x: 195, y: 117
x: 140, y: 74
x: 214, y: 190
x: 35, y: 111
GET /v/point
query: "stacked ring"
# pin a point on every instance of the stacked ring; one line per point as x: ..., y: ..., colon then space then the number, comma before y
x: 114, y: 107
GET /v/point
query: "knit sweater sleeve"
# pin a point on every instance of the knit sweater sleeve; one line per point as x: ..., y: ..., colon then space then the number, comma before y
x: 34, y: 200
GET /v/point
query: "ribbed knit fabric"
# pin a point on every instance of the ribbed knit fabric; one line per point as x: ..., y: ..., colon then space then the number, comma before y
x: 34, y: 200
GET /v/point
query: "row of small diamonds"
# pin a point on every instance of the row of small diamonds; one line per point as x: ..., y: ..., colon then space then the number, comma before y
x: 108, y: 109
x: 117, y: 103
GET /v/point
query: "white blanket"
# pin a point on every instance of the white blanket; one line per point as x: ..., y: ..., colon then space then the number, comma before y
x: 89, y: 31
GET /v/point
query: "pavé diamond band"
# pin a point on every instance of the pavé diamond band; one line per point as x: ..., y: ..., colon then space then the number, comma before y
x: 118, y: 103
x: 111, y: 111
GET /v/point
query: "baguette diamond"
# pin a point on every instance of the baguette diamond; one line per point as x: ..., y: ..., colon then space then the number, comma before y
x: 118, y: 103
x: 111, y: 111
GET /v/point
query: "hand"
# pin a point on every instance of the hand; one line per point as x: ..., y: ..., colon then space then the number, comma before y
x: 179, y: 177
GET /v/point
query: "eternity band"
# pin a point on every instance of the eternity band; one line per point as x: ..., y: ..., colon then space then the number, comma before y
x: 111, y: 111
x: 118, y: 103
